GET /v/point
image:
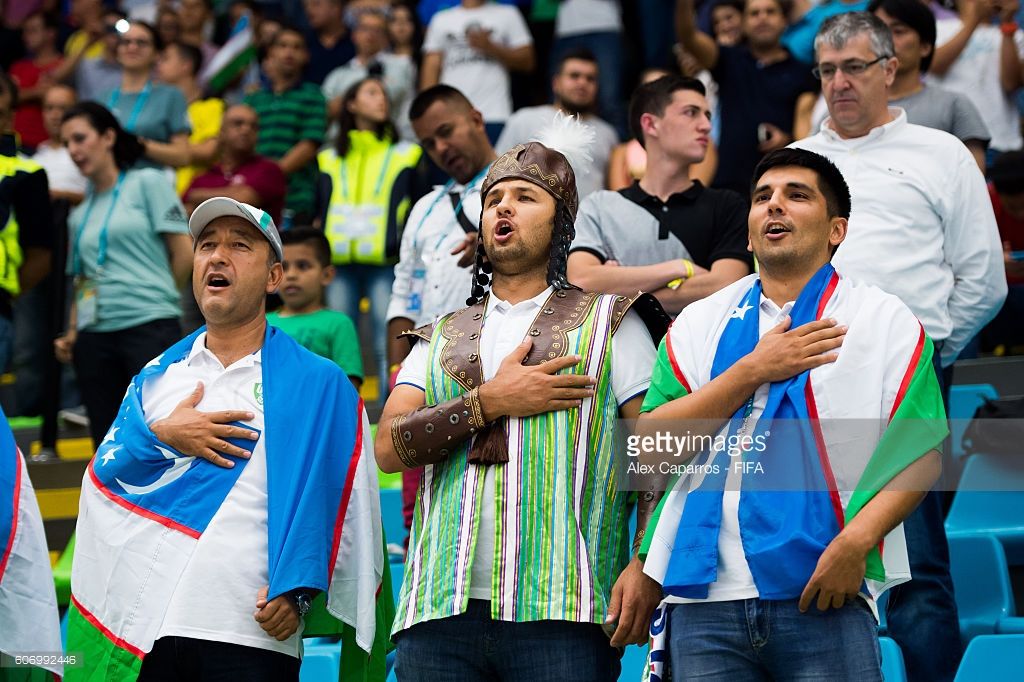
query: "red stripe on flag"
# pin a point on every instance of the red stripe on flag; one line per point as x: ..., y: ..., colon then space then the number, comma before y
x: 353, y: 464
x: 827, y: 294
x: 14, y: 520
x: 672, y: 359
x: 136, y: 509
x: 909, y: 374
x: 115, y: 640
x: 826, y: 467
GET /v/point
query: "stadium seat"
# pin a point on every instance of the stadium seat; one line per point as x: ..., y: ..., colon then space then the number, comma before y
x: 633, y: 661
x: 881, y: 604
x: 397, y: 573
x: 893, y: 669
x: 989, y: 501
x: 391, y: 514
x: 963, y: 401
x: 320, y: 663
x: 992, y: 657
x: 981, y: 582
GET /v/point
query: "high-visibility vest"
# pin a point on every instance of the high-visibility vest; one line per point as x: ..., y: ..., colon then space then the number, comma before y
x: 11, y: 256
x: 368, y: 203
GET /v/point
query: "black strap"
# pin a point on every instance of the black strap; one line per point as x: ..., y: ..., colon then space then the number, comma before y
x: 464, y: 222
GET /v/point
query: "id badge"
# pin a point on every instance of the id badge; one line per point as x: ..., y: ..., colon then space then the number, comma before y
x: 416, y: 287
x: 86, y: 304
x: 357, y: 222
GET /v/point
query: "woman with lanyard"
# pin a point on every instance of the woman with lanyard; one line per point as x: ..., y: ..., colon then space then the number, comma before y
x: 366, y: 189
x: 154, y: 112
x: 130, y: 254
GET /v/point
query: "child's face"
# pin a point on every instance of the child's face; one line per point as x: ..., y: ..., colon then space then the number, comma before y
x: 304, y: 277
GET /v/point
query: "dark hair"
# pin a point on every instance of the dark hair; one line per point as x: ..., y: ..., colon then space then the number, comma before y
x: 313, y: 238
x: 347, y: 120
x: 50, y: 20
x: 831, y: 183
x: 653, y: 97
x: 191, y: 54
x: 127, y: 148
x: 1007, y: 173
x: 580, y: 53
x: 158, y: 43
x: 916, y: 16
x: 437, y: 93
x: 9, y: 88
x: 417, y: 29
x: 114, y: 12
x: 738, y: 5
x: 287, y: 27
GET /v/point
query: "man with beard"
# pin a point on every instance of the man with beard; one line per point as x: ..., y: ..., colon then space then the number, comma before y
x: 519, y: 550
x: 575, y: 88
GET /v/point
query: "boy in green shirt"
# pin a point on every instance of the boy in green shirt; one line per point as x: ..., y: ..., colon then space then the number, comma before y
x: 307, y: 271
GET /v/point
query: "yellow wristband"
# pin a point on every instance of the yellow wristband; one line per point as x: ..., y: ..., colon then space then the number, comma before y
x: 689, y: 268
x: 674, y: 284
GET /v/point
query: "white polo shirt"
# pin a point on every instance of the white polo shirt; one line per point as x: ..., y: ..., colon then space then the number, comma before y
x: 505, y: 327
x: 428, y: 279
x: 216, y: 597
x: 921, y: 227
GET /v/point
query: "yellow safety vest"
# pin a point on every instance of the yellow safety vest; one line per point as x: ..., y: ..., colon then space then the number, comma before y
x: 11, y: 256
x: 363, y: 197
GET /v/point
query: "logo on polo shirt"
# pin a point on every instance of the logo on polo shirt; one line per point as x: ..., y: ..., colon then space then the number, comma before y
x: 175, y: 215
x: 257, y: 393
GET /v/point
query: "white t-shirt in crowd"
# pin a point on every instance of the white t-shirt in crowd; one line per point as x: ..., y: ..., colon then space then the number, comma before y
x: 505, y: 327
x: 216, y: 597
x: 61, y: 172
x: 975, y: 73
x: 576, y: 17
x: 484, y: 80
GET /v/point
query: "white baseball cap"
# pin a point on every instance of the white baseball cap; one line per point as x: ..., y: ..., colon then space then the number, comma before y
x: 218, y: 207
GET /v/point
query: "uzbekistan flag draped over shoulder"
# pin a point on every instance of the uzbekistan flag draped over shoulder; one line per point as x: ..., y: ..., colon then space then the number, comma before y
x: 144, y: 506
x: 884, y: 375
x: 28, y: 602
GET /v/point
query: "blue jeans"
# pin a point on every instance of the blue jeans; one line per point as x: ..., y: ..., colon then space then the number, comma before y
x: 607, y: 47
x: 921, y: 614
x: 352, y: 283
x: 472, y: 647
x: 754, y: 639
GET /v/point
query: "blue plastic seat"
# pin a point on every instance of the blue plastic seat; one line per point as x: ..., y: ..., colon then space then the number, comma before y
x: 963, y: 401
x: 989, y: 501
x: 397, y: 574
x: 992, y: 657
x: 981, y: 582
x: 320, y: 663
x: 391, y: 515
x: 893, y: 669
x: 633, y: 661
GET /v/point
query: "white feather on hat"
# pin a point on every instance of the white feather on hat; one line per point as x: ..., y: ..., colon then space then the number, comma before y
x: 568, y: 136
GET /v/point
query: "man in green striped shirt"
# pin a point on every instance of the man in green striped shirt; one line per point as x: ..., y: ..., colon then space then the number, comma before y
x: 519, y: 551
x: 293, y: 118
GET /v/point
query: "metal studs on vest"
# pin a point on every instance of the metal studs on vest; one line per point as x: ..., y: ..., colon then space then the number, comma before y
x: 477, y: 316
x: 474, y: 337
x: 473, y: 357
x: 549, y: 311
x: 534, y: 332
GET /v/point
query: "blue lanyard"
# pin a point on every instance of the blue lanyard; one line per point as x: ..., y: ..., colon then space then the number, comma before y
x: 76, y: 246
x: 140, y: 102
x: 444, y: 193
x: 380, y: 179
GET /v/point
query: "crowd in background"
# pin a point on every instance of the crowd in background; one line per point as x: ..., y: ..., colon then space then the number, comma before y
x: 302, y: 108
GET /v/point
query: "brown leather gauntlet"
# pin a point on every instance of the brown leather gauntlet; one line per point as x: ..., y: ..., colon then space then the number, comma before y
x: 429, y: 434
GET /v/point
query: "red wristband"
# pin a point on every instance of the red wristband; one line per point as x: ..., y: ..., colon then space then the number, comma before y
x: 1008, y: 28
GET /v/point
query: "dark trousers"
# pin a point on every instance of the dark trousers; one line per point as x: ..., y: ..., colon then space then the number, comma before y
x: 471, y: 647
x: 183, y: 659
x: 921, y: 614
x: 105, y: 363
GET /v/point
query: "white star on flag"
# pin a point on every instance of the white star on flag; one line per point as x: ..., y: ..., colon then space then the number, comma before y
x: 110, y: 435
x: 739, y: 312
x: 108, y: 456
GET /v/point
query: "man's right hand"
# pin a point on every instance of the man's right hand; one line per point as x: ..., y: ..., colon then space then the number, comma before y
x: 203, y: 434
x: 519, y: 390
x: 783, y: 352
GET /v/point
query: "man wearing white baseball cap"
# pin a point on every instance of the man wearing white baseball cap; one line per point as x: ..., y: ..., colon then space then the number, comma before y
x: 212, y: 468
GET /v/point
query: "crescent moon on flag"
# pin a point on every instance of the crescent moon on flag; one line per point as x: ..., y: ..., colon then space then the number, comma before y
x: 173, y: 473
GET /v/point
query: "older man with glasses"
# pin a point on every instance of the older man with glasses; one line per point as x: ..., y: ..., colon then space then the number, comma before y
x: 922, y: 229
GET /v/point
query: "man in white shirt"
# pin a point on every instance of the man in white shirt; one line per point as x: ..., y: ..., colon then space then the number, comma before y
x: 370, y: 37
x: 473, y: 47
x: 432, y: 275
x: 575, y: 87
x: 256, y: 520
x: 66, y: 181
x: 922, y: 228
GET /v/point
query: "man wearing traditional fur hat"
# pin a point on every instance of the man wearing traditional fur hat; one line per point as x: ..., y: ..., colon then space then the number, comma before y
x: 519, y: 550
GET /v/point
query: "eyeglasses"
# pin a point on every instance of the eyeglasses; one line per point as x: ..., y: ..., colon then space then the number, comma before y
x: 138, y: 42
x: 851, y: 67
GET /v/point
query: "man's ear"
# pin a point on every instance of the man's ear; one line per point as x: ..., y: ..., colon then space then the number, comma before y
x: 837, y: 231
x: 275, y: 277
